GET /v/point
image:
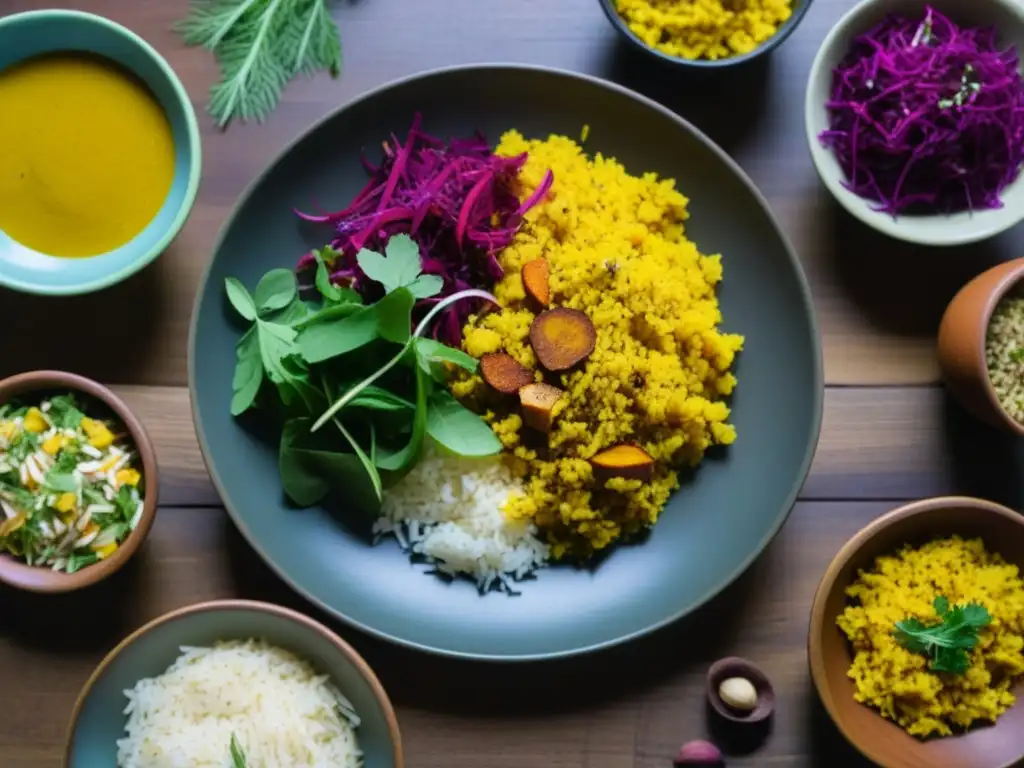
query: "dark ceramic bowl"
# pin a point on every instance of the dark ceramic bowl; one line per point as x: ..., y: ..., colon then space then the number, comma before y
x: 733, y: 666
x: 828, y: 651
x: 800, y: 8
x: 712, y: 528
x: 962, y: 335
x: 98, y: 719
x: 32, y: 579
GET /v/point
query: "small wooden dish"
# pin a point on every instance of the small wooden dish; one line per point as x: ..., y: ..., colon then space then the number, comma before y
x: 996, y: 746
x: 734, y: 666
x: 16, y: 573
x: 962, y: 343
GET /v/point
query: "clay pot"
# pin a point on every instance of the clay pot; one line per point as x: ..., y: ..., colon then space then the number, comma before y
x: 962, y: 343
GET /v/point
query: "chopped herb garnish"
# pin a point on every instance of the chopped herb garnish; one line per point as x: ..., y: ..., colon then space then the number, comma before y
x: 359, y: 388
x: 947, y: 643
x: 237, y: 754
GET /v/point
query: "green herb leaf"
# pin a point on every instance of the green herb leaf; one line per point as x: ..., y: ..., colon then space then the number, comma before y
x: 237, y: 755
x: 425, y: 286
x: 64, y: 412
x: 276, y: 290
x: 403, y: 459
x: 77, y: 561
x: 1017, y: 355
x: 260, y: 45
x: 309, y: 470
x: 946, y: 643
x: 60, y: 482
x: 458, y: 429
x: 327, y: 289
x: 377, y: 399
x: 245, y: 384
x: 432, y: 354
x: 240, y: 298
x: 329, y: 338
x: 399, y: 268
x: 394, y: 316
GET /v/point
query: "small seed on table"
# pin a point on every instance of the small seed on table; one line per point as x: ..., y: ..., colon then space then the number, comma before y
x: 738, y: 693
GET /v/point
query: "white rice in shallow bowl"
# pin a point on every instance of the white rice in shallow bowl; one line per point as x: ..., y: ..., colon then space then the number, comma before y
x: 280, y: 711
x: 449, y: 510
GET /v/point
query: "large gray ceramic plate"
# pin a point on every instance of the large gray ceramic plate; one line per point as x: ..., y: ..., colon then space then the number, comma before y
x: 712, y: 528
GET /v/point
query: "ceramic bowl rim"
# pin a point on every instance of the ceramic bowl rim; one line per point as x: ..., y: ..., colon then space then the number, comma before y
x: 194, y: 143
x: 228, y: 605
x: 799, y: 274
x: 773, y: 42
x: 16, y: 574
x: 853, y: 19
x: 829, y: 581
x: 1009, y: 281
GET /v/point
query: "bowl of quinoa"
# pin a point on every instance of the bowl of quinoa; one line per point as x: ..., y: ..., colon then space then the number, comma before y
x: 78, y: 482
x: 981, y: 346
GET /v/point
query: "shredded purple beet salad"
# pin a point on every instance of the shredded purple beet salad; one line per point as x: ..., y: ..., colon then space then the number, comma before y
x: 456, y: 199
x: 927, y: 117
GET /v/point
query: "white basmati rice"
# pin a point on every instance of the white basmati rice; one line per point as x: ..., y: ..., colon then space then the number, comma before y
x: 280, y: 711
x: 449, y: 510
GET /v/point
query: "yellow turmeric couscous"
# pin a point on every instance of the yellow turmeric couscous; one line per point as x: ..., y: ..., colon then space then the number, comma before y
x: 616, y: 248
x: 897, y: 681
x: 704, y: 29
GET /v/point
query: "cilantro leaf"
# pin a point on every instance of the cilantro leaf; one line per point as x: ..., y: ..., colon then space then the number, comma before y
x: 948, y: 642
x: 323, y: 340
x: 425, y: 286
x: 431, y: 356
x: 398, y: 268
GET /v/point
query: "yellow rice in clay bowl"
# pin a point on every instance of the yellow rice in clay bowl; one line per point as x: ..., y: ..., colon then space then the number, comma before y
x: 897, y: 681
x: 659, y: 372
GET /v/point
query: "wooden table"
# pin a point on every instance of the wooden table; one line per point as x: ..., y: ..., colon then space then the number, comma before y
x: 889, y: 434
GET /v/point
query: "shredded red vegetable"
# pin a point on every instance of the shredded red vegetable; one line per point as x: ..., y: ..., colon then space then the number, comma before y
x: 927, y: 117
x: 456, y: 199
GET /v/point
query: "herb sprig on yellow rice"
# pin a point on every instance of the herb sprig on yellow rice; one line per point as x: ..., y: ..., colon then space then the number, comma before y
x: 900, y: 682
x: 69, y: 491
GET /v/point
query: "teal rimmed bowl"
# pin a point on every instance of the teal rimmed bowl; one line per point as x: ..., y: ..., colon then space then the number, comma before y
x: 26, y: 35
x: 98, y: 719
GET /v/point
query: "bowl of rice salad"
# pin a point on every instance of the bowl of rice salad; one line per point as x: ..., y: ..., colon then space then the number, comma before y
x: 916, y: 641
x: 78, y: 482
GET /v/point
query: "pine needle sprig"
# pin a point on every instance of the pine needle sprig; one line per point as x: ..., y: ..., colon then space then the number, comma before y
x: 260, y: 45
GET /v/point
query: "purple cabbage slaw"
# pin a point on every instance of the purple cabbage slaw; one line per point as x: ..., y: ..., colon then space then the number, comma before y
x: 456, y: 199
x: 927, y: 117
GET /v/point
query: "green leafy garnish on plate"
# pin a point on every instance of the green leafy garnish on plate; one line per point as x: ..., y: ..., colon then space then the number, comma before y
x: 948, y: 642
x: 237, y: 755
x: 260, y: 46
x: 357, y: 388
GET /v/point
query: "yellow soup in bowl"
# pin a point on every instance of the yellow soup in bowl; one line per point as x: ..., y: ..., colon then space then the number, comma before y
x: 88, y: 155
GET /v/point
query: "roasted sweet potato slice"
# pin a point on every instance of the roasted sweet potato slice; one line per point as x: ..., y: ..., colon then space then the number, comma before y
x: 538, y: 401
x: 504, y: 373
x: 626, y: 460
x: 562, y: 338
x: 536, y: 281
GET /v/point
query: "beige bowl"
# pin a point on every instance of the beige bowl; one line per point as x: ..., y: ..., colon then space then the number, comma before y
x: 1008, y: 18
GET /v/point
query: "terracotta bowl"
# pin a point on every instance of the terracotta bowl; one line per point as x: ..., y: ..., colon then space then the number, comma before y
x: 962, y: 343
x: 98, y: 719
x: 15, y: 572
x: 997, y: 746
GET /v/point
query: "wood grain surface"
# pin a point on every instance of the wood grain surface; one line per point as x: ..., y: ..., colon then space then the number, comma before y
x: 889, y: 432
